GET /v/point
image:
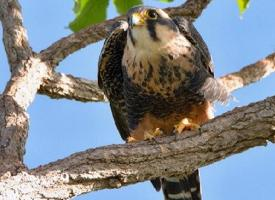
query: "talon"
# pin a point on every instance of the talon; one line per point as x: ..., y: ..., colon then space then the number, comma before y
x: 185, y: 124
x: 131, y: 139
x: 149, y: 135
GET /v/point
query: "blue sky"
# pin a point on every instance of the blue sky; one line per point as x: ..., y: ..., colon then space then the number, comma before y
x: 59, y: 128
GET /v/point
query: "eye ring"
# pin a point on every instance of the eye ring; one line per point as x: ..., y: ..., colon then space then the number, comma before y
x: 152, y: 14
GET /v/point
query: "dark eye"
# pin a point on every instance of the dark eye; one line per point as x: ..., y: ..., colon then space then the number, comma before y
x: 152, y: 14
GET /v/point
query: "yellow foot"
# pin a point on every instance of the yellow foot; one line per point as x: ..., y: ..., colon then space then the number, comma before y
x: 184, y: 125
x: 149, y: 135
x: 131, y: 139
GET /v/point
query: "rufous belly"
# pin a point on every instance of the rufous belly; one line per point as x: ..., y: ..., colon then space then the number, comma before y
x: 198, y: 114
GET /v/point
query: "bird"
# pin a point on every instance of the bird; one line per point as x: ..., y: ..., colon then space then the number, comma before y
x: 158, y: 76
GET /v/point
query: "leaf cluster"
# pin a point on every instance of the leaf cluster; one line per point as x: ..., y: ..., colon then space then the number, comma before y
x: 88, y: 12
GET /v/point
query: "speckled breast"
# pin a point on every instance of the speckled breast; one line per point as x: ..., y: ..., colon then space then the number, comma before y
x: 159, y: 86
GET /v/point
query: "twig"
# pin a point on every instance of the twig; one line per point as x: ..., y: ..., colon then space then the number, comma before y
x: 250, y: 74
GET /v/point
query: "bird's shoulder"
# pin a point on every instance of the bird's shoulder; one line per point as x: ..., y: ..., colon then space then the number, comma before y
x: 189, y: 31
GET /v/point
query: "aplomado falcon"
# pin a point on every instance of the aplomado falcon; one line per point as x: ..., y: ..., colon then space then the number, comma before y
x: 158, y: 76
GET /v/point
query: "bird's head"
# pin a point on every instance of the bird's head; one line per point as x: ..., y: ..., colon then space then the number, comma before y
x: 150, y: 27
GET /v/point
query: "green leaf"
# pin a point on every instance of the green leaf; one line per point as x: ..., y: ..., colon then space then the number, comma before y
x: 122, y: 6
x: 243, y: 5
x: 79, y: 5
x: 166, y: 1
x: 88, y: 12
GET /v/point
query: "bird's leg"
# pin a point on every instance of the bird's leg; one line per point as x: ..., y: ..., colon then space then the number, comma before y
x: 185, y: 124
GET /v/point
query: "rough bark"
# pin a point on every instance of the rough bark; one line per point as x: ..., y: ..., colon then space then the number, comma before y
x: 191, y: 9
x: 15, y: 36
x: 59, y: 85
x: 249, y: 74
x: 119, y: 165
x: 25, y: 80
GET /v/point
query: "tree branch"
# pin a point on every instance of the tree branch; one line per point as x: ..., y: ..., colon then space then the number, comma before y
x: 14, y: 34
x: 27, y: 73
x: 70, y: 87
x: 191, y: 9
x: 119, y: 165
x: 59, y: 85
x: 250, y: 74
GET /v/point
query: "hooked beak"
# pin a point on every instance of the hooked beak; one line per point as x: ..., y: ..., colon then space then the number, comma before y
x: 137, y: 20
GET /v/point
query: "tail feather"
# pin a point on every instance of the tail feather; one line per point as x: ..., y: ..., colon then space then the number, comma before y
x: 184, y: 188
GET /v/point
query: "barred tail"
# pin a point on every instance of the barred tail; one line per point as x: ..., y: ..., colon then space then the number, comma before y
x: 185, y: 188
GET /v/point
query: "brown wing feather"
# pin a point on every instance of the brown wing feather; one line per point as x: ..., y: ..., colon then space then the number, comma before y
x: 191, y: 33
x: 211, y: 89
x: 110, y: 78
